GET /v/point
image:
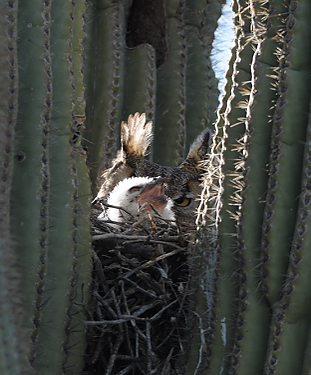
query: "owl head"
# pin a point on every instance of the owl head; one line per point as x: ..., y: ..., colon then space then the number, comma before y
x: 181, y: 184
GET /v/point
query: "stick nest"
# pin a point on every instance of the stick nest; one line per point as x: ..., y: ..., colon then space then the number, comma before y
x: 138, y: 319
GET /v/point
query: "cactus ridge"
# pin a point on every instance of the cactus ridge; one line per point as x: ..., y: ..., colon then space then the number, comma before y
x: 43, y: 192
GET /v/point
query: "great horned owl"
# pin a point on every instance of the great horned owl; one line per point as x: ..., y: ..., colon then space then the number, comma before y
x: 182, y: 183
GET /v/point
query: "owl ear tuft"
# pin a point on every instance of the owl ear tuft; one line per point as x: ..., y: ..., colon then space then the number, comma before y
x: 136, y: 135
x: 199, y: 151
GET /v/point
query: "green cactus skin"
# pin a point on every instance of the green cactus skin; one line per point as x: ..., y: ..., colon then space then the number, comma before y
x: 307, y: 357
x: 140, y: 81
x: 11, y: 362
x: 289, y: 129
x: 11, y: 343
x: 105, y: 92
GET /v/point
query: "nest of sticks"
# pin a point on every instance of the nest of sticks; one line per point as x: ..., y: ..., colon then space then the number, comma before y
x: 138, y: 315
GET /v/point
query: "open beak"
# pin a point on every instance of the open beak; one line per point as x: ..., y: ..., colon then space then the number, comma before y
x: 152, y: 197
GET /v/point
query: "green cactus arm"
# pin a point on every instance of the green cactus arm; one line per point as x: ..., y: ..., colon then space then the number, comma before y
x: 61, y: 337
x: 288, y: 136
x: 105, y: 74
x: 140, y: 81
x: 30, y: 183
x: 170, y: 105
x: 252, y: 328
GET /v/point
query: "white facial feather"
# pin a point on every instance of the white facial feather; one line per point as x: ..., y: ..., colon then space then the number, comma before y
x: 122, y: 196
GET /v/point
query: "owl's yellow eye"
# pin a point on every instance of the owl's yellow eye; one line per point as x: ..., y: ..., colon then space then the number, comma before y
x: 182, y: 201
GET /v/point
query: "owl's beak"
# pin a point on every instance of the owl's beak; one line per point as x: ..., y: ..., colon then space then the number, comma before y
x: 152, y: 197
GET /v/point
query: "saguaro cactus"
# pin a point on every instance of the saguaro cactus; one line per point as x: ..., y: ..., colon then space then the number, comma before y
x: 258, y: 189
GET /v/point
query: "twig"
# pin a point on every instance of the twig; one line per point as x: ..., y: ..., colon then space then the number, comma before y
x: 114, y: 355
x: 151, y: 262
x: 149, y: 347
